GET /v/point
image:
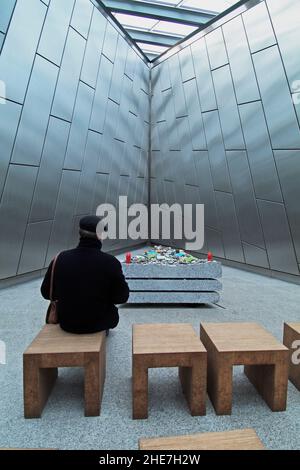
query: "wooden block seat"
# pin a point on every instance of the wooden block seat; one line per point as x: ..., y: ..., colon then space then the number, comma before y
x: 240, y: 439
x: 249, y: 344
x: 291, y: 339
x: 53, y: 348
x: 168, y: 345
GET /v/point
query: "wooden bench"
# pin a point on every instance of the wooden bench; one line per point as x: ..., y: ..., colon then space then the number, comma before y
x: 249, y: 344
x: 290, y: 335
x: 241, y: 439
x: 168, y: 345
x: 53, y: 348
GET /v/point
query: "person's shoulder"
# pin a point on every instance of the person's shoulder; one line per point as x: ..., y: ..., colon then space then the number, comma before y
x: 111, y: 259
x: 66, y: 253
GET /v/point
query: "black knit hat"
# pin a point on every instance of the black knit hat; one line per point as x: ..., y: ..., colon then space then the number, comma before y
x: 89, y: 223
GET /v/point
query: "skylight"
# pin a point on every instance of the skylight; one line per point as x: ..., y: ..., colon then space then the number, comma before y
x: 152, y: 48
x: 176, y: 29
x: 211, y: 5
x: 151, y: 26
x: 138, y: 22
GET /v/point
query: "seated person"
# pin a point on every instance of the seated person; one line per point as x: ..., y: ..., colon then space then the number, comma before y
x: 87, y: 284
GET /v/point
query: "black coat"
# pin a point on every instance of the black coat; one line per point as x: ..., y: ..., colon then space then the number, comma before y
x: 87, y: 284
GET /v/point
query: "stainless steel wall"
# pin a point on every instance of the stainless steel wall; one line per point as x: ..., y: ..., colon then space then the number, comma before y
x: 74, y: 127
x: 225, y: 132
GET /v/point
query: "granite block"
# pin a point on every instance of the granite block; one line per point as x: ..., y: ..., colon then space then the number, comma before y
x: 199, y: 285
x: 174, y: 297
x: 208, y: 270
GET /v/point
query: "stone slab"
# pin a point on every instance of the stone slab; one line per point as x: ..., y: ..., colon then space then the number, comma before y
x: 174, y: 297
x: 199, y: 285
x: 207, y: 270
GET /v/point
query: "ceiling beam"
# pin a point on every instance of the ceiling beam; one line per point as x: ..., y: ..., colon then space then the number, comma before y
x: 153, y: 38
x: 159, y: 12
x: 151, y: 56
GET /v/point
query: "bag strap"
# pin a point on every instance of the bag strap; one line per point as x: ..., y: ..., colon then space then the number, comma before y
x: 52, y: 276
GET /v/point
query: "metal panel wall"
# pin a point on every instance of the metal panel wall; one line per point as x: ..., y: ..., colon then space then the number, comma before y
x: 240, y: 61
x: 277, y: 99
x: 53, y: 37
x: 285, y: 18
x: 63, y: 62
x: 18, y: 51
x: 238, y: 80
x: 231, y: 128
x: 259, y: 28
x: 81, y: 17
x: 2, y: 37
x: 6, y: 9
x: 75, y: 125
x: 14, y: 212
x: 35, y: 113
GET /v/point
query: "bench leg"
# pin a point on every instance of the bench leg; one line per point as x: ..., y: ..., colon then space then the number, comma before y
x: 193, y: 382
x: 219, y: 380
x: 139, y: 390
x: 94, y: 378
x: 219, y: 377
x: 38, y: 384
x: 271, y: 382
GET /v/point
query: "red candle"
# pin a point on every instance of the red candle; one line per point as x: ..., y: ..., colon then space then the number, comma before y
x: 128, y: 258
x: 209, y: 256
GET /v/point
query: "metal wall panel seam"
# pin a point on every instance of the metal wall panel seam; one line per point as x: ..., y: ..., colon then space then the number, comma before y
x: 12, y: 144
x: 282, y: 60
x: 64, y: 105
x: 275, y: 164
x: 32, y: 198
x: 198, y: 34
x: 33, y: 112
x: 13, y: 61
x: 16, y: 198
x: 246, y: 151
x: 279, y: 107
x: 287, y: 34
x: 6, y: 26
x: 20, y: 102
x: 51, y: 12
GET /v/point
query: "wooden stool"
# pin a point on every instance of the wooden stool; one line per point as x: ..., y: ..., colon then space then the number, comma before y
x: 54, y: 348
x: 249, y: 344
x: 168, y: 345
x: 241, y: 439
x: 290, y: 335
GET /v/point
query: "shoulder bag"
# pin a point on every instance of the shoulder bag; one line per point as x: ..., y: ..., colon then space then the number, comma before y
x: 52, y: 316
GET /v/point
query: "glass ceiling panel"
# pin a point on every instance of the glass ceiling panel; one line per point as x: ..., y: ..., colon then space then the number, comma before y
x: 152, y: 48
x: 138, y: 22
x: 174, y: 29
x: 170, y: 28
x: 210, y: 5
x: 173, y: 3
x: 198, y: 5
